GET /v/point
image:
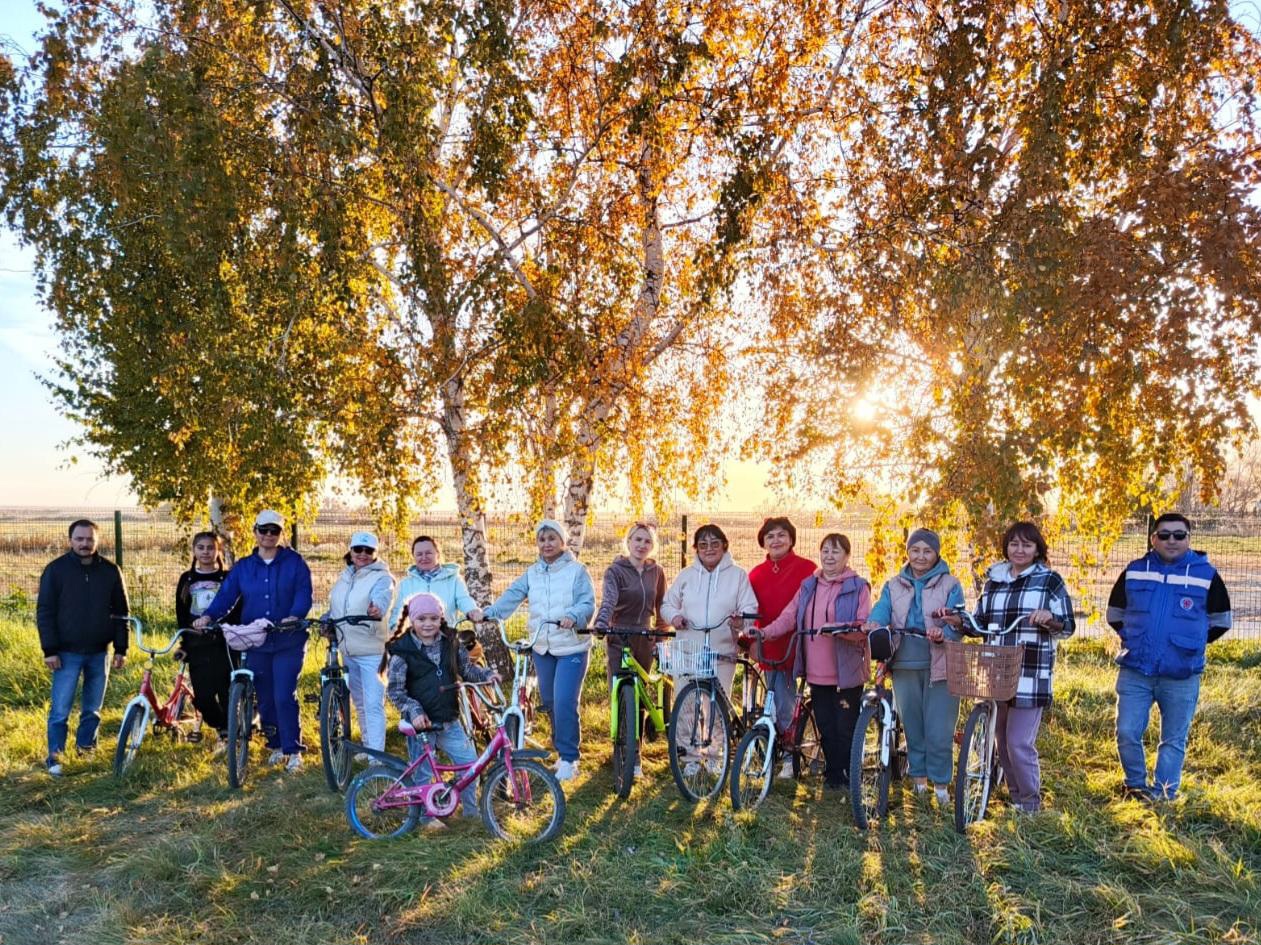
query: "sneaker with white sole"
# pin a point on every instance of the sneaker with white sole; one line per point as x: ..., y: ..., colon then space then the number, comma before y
x: 566, y: 770
x: 363, y: 757
x: 942, y: 795
x: 53, y: 766
x: 218, y: 748
x: 294, y: 762
x: 277, y: 757
x: 639, y: 771
x: 690, y: 769
x: 786, y: 769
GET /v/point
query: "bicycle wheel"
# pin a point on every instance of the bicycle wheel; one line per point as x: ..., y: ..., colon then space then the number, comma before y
x: 699, y: 741
x: 753, y: 770
x: 974, y: 773
x: 807, y: 747
x: 335, y: 734
x: 868, y: 775
x: 240, y: 728
x: 129, y: 738
x: 626, y: 742
x: 370, y: 820
x: 529, y: 806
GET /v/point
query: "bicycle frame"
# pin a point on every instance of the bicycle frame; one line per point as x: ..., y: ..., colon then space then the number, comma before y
x: 165, y: 715
x: 520, y: 651
x: 630, y: 673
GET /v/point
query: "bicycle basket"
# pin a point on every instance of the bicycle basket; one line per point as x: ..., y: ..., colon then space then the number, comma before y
x: 884, y: 643
x: 983, y: 671
x: 246, y: 636
x: 675, y: 660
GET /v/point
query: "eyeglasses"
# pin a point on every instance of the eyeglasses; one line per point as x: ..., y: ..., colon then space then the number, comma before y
x: 268, y: 529
x: 707, y: 544
x: 1176, y: 536
x: 361, y: 550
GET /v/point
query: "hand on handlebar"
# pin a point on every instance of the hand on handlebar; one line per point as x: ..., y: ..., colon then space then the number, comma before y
x: 201, y: 623
x: 477, y: 615
x: 935, y: 634
x: 567, y: 623
x: 679, y: 622
x: 948, y: 615
x: 375, y: 612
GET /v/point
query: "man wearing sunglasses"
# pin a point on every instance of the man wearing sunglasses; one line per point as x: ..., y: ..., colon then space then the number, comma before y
x: 1167, y: 607
x: 273, y: 583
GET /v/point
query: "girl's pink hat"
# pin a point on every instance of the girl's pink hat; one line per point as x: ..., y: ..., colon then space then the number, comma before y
x: 424, y: 605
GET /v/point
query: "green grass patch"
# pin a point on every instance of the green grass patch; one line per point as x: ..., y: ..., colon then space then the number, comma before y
x: 172, y: 856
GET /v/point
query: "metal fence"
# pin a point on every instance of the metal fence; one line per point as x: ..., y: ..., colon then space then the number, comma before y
x: 155, y: 551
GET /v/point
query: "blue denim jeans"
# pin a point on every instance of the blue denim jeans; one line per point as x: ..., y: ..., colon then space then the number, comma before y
x: 560, y: 685
x: 1177, y: 699
x: 94, y: 668
x: 451, y: 741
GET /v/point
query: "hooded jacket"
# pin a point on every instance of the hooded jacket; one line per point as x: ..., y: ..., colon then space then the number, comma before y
x: 554, y: 591
x: 1166, y: 613
x: 706, y: 598
x: 844, y: 598
x: 906, y: 601
x: 446, y: 585
x: 272, y: 592
x: 354, y: 590
x: 629, y: 597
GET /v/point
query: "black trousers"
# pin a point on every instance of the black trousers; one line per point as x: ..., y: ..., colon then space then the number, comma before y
x: 210, y: 673
x: 836, y: 714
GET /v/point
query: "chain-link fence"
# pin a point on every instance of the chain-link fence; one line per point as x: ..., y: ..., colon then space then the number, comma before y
x: 155, y: 550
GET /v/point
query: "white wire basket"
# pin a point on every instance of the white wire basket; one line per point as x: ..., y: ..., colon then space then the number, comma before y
x: 677, y: 660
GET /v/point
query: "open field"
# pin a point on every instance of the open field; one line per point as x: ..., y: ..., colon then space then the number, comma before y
x: 155, y: 552
x: 173, y: 856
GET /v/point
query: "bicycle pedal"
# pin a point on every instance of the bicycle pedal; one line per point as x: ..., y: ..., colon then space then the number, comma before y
x: 311, y: 698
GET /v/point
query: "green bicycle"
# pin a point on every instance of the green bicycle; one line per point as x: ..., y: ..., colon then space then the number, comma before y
x: 632, y: 698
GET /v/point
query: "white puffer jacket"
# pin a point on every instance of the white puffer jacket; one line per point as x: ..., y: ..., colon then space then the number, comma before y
x: 706, y: 598
x: 355, y: 589
x: 554, y: 591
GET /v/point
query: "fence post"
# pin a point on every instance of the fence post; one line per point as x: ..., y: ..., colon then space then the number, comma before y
x: 293, y: 536
x: 118, y: 537
x: 683, y: 542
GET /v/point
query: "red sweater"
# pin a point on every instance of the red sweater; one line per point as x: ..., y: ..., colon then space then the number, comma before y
x: 775, y: 583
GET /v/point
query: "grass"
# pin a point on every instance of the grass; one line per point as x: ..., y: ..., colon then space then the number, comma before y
x: 173, y: 856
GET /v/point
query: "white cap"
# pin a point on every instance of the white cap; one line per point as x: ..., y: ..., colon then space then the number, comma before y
x: 364, y: 538
x: 269, y: 517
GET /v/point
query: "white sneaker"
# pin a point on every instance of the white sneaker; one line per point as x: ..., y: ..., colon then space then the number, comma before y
x: 639, y: 771
x: 942, y: 794
x: 277, y: 757
x: 714, y: 766
x: 566, y: 770
x: 218, y: 748
x: 53, y: 766
x: 363, y: 757
x: 294, y: 763
x: 786, y: 769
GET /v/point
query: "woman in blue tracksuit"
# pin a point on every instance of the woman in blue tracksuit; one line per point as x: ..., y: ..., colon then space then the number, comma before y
x: 557, y: 588
x: 272, y: 583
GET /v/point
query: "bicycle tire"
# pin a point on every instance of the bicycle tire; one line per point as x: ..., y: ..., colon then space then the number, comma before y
x: 700, y: 767
x: 626, y: 742
x: 974, y: 772
x: 367, y: 821
x: 240, y: 728
x: 807, y: 746
x: 752, y: 771
x: 129, y: 738
x: 868, y: 775
x: 528, y: 808
x: 335, y: 735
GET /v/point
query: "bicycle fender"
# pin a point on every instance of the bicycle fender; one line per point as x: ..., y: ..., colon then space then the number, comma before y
x: 393, y: 762
x: 144, y: 707
x: 532, y: 754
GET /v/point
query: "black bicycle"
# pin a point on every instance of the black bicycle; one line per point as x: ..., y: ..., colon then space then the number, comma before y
x: 334, y: 701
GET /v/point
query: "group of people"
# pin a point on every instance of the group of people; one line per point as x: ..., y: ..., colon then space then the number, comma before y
x: 1166, y: 607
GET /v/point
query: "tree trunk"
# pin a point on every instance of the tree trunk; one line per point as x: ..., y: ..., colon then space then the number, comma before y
x: 220, y: 525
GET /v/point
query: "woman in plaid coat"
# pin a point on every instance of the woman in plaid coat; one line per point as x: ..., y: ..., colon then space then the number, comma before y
x: 1022, y: 585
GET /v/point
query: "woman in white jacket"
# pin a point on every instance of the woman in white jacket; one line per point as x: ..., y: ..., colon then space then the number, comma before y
x: 561, y: 598
x: 366, y: 586
x: 710, y: 591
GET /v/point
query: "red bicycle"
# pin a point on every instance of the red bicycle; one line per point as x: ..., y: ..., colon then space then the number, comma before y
x: 167, y: 716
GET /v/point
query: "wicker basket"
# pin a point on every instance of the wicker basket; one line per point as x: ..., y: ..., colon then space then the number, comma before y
x: 675, y: 660
x: 983, y: 671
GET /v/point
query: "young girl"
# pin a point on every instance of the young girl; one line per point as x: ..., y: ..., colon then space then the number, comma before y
x: 209, y: 663
x: 421, y: 659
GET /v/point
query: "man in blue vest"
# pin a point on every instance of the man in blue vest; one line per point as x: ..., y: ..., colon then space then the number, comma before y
x: 1167, y: 607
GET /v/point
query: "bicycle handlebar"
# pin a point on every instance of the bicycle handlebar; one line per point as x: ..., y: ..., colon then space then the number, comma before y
x: 138, y: 627
x: 626, y: 632
x: 975, y: 629
x: 519, y: 646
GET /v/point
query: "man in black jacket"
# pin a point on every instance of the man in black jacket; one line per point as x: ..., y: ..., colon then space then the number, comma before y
x: 81, y: 597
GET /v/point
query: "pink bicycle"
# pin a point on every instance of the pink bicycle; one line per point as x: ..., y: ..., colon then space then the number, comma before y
x: 520, y: 800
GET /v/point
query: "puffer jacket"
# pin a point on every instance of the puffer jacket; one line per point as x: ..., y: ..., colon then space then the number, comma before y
x: 705, y: 598
x: 554, y: 591
x: 354, y: 590
x: 905, y: 594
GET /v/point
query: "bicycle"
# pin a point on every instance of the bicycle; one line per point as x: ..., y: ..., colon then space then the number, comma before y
x: 760, y: 752
x: 988, y: 672
x: 167, y: 716
x: 877, y: 756
x: 517, y: 717
x: 520, y: 800
x: 242, y: 699
x: 630, y: 695
x: 703, y: 723
x: 480, y: 703
x: 334, y: 703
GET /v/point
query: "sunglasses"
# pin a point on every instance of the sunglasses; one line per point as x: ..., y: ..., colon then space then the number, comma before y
x: 268, y: 529
x: 361, y: 550
x: 1176, y: 536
